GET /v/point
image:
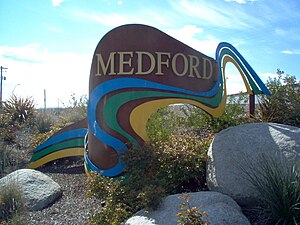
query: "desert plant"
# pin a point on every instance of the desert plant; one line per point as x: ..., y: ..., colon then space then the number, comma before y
x: 75, y: 109
x: 7, y: 129
x: 12, y: 202
x: 16, y: 112
x: 19, y: 109
x: 283, y: 106
x: 38, y: 138
x: 190, y: 215
x: 277, y: 181
x: 5, y: 157
x: 43, y: 123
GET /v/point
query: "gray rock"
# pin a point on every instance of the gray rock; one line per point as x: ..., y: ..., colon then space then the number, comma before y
x: 39, y: 190
x: 221, y: 210
x: 238, y: 147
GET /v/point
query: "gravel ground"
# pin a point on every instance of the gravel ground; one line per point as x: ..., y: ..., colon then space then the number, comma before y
x: 74, y: 207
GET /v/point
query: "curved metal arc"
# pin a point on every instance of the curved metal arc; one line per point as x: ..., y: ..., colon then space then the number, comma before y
x: 101, y: 90
x: 56, y: 155
x: 253, y: 74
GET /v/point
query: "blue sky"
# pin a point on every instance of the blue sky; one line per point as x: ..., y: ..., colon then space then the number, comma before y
x: 49, y: 44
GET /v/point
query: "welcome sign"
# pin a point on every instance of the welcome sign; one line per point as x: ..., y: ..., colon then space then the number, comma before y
x: 137, y: 69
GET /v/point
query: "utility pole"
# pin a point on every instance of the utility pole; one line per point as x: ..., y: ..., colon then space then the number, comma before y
x: 1, y: 80
x: 45, y: 99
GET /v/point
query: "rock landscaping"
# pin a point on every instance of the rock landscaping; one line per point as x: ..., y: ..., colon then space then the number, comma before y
x: 39, y: 189
x: 234, y: 148
x: 56, y: 194
x: 221, y: 210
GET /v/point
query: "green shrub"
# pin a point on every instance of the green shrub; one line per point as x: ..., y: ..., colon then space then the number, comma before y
x: 18, y: 219
x: 283, y: 106
x: 152, y: 172
x: 176, y: 164
x: 278, y: 183
x: 12, y: 202
x: 116, y: 208
x: 190, y: 215
x: 162, y: 124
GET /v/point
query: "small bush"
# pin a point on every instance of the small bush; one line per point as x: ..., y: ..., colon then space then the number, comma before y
x: 38, y: 138
x: 162, y: 124
x: 19, y: 109
x: 5, y: 157
x: 176, y: 165
x: 190, y: 215
x: 10, y: 159
x: 76, y: 109
x: 12, y: 203
x: 278, y: 183
x: 7, y: 129
x: 43, y: 123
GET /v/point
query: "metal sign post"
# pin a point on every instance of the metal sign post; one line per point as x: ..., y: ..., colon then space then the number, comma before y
x: 252, y: 105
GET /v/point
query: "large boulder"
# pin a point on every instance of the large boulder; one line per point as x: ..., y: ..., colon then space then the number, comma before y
x: 241, y: 148
x: 39, y: 190
x: 220, y: 208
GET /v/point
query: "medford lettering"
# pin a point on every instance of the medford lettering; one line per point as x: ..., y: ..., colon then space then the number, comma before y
x: 160, y: 62
x: 140, y: 63
x: 174, y: 64
x: 181, y: 64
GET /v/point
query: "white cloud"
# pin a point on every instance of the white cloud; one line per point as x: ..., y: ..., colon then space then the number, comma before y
x: 234, y: 81
x: 240, y: 1
x: 36, y: 69
x: 188, y: 35
x: 26, y: 53
x: 54, y: 29
x: 291, y: 52
x: 109, y: 20
x: 188, y: 30
x: 289, y: 34
x: 219, y: 15
x: 56, y: 3
x: 117, y: 19
x: 120, y: 2
x: 280, y: 32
